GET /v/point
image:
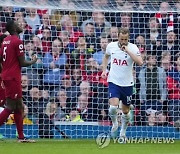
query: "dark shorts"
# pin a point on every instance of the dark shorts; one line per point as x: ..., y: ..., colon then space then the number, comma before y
x: 13, y: 89
x: 123, y: 93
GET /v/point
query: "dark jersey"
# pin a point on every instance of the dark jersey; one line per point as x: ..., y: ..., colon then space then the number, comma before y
x: 11, y: 49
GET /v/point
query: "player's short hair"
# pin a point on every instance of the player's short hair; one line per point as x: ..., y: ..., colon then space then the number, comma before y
x: 123, y: 30
x: 10, y: 26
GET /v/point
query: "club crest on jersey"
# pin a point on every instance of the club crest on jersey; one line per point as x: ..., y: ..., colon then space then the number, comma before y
x: 120, y: 62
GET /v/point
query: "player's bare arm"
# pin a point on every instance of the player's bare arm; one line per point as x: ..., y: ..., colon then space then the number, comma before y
x: 137, y: 59
x: 25, y: 63
x: 104, y: 65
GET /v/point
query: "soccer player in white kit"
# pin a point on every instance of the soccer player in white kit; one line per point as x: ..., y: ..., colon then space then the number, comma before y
x: 123, y: 54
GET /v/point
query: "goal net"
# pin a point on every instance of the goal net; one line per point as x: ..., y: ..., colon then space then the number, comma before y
x: 64, y: 94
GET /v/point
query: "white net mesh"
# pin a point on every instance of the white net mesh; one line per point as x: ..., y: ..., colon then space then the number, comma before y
x: 64, y: 92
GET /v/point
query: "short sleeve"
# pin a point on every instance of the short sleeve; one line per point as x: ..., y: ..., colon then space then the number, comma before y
x: 108, y: 50
x: 19, y: 48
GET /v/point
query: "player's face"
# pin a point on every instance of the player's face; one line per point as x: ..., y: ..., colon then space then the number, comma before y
x: 123, y: 39
x: 18, y: 28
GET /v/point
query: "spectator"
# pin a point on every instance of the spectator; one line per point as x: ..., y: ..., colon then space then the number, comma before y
x: 92, y: 72
x: 98, y: 56
x: 67, y: 25
x: 153, y: 34
x: 27, y: 31
x: 37, y: 43
x: 113, y: 33
x: 52, y: 111
x: 166, y: 61
x: 171, y: 44
x: 34, y: 70
x: 152, y: 86
x: 46, y: 23
x: 79, y: 55
x: 35, y: 104
x: 19, y: 14
x: 126, y: 21
x: 89, y: 34
x: 76, y: 76
x: 165, y: 17
x: 67, y: 45
x: 63, y: 105
x: 140, y: 42
x: 32, y: 19
x: 155, y: 118
x: 70, y: 90
x: 74, y: 116
x: 103, y: 115
x: 93, y: 99
x: 85, y: 88
x: 46, y: 40
x: 85, y: 108
x: 101, y: 24
x: 57, y: 14
x: 54, y: 63
x: 173, y: 85
x: 45, y: 96
x: 25, y: 86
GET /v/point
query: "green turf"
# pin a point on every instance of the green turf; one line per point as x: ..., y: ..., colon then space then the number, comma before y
x: 85, y: 147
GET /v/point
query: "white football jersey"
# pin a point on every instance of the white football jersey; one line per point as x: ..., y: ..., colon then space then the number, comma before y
x: 121, y: 71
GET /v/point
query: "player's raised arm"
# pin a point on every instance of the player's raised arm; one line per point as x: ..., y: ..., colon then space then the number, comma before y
x: 25, y: 63
x: 135, y: 57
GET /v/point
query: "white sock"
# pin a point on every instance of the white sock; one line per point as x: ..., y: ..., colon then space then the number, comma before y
x: 124, y: 123
x: 113, y: 113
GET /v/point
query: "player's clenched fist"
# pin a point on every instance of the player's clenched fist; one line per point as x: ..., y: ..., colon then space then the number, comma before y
x: 124, y: 48
x: 34, y: 58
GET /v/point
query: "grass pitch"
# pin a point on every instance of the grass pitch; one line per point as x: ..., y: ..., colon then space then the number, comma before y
x: 53, y: 146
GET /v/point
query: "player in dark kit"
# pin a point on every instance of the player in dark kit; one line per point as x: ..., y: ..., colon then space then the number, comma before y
x: 2, y: 90
x: 12, y: 59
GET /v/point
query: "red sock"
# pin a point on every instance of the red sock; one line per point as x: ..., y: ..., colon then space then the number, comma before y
x: 19, y: 123
x: 4, y: 115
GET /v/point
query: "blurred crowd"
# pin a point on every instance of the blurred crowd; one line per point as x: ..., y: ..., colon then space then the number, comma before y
x: 66, y: 82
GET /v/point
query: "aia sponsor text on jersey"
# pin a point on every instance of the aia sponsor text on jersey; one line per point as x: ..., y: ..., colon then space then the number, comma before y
x: 120, y: 62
